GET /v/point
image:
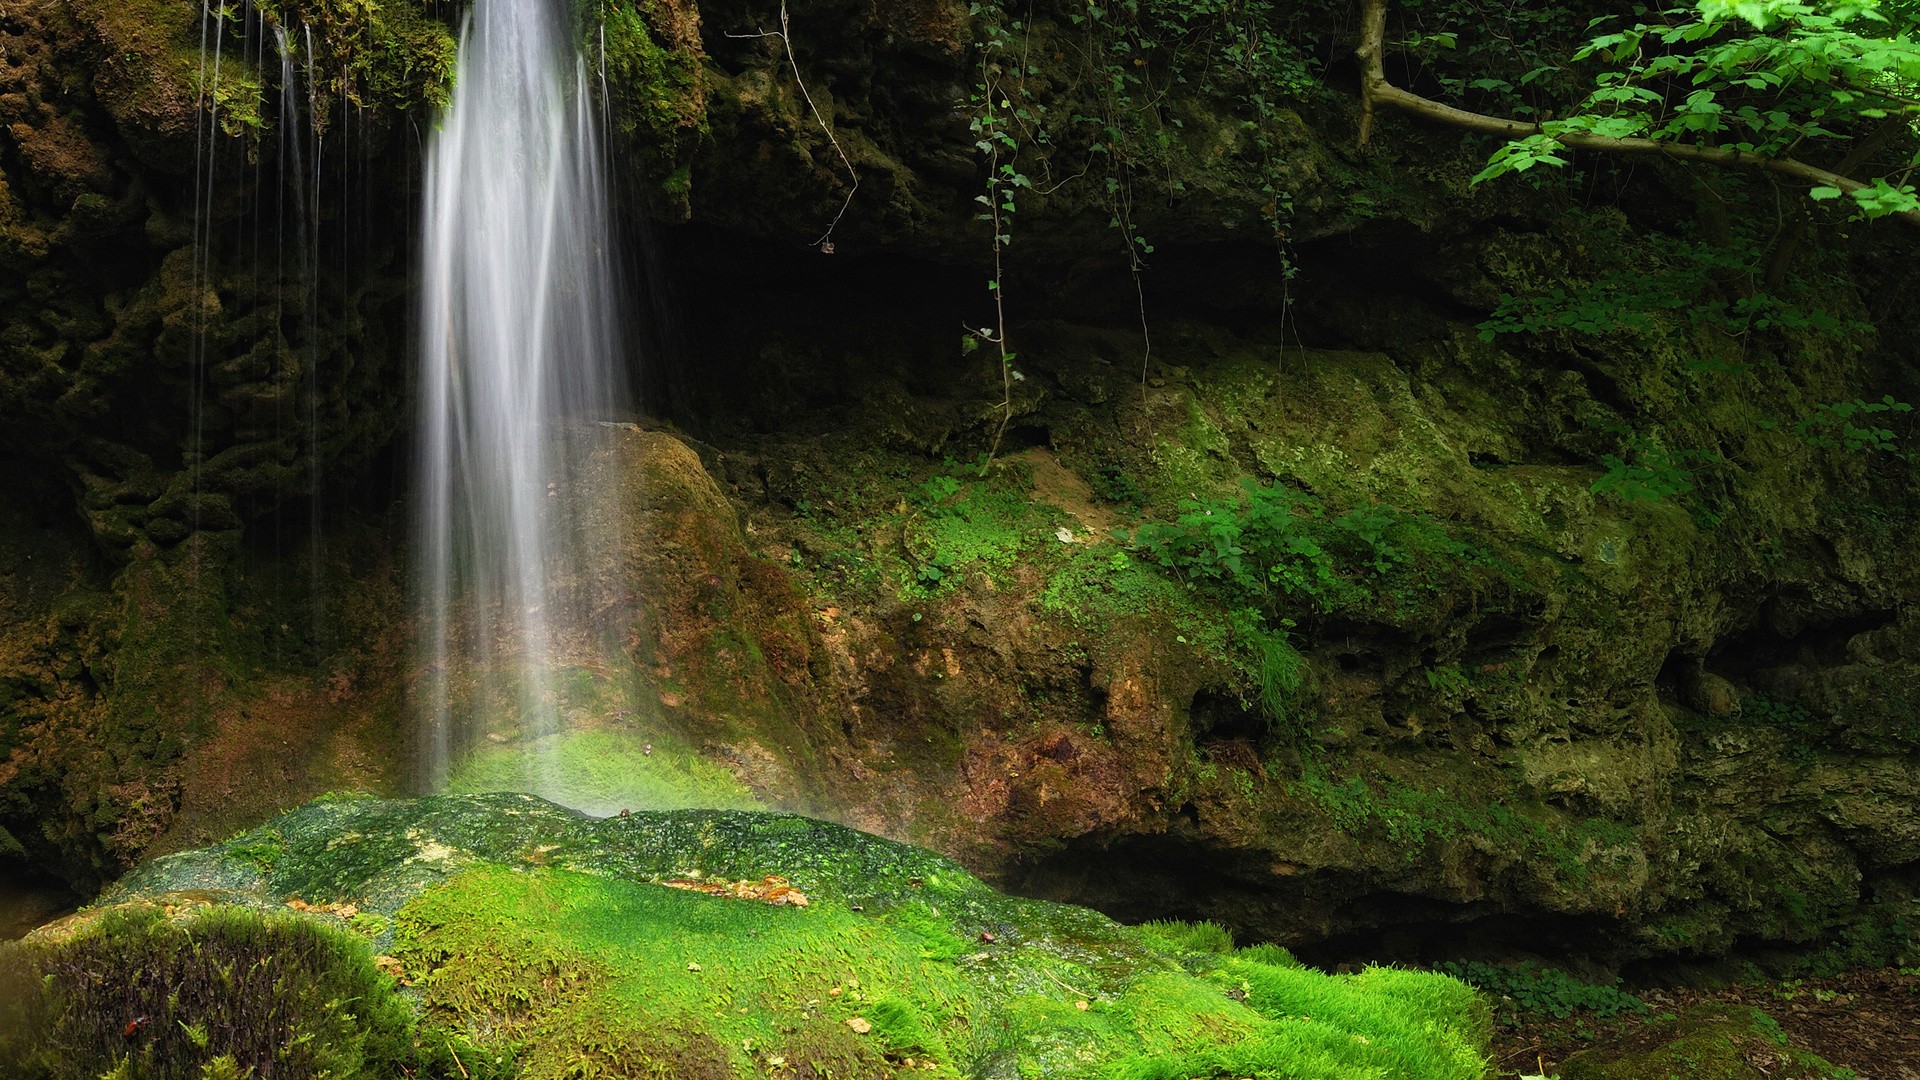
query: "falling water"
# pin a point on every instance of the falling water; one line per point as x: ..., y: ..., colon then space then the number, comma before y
x: 517, y: 362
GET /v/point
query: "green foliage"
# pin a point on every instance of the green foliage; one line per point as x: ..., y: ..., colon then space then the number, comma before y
x: 1279, y: 669
x: 1669, y: 281
x: 390, y: 55
x: 1844, y: 425
x: 1112, y: 484
x: 1448, y: 679
x: 1274, y: 549
x: 1528, y: 992
x: 1649, y: 471
x: 959, y: 525
x: 1804, y: 730
x: 1791, y: 716
x: 1760, y: 77
x: 651, y: 61
x: 230, y: 992
x: 1885, y: 935
x: 262, y: 850
x: 1248, y: 570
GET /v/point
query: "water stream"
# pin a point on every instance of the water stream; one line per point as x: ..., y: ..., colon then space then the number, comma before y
x: 518, y: 362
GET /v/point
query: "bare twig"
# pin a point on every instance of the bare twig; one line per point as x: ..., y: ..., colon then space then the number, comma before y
x: 785, y: 34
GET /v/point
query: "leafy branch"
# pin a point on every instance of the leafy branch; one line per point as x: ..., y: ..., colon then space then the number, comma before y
x: 993, y: 137
x: 1806, y: 57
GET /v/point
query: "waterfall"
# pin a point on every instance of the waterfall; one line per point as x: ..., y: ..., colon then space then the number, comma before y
x: 518, y: 364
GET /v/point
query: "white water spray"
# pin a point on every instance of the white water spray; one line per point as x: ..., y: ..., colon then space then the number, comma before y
x: 517, y: 362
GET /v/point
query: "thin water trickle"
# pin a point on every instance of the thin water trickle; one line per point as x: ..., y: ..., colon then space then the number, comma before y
x: 518, y: 348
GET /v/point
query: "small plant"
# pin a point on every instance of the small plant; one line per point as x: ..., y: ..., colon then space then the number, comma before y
x: 1529, y: 990
x: 956, y: 526
x: 230, y: 993
x: 1111, y: 484
x: 264, y: 853
x: 993, y: 122
x: 1448, y: 679
x: 1649, y: 471
x: 1679, y: 282
x: 1797, y: 722
x: 1273, y: 544
x: 1844, y: 425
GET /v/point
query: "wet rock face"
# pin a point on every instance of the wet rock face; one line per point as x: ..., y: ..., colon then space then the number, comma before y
x: 198, y: 374
x: 1401, y: 812
x: 1501, y: 696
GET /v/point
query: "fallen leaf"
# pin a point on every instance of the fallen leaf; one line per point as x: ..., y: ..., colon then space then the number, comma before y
x: 1082, y: 1006
x: 859, y: 1025
x: 691, y: 966
x: 770, y: 890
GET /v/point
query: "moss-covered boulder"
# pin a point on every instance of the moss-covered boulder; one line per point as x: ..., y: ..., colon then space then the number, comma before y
x: 1705, y: 1042
x: 536, y: 942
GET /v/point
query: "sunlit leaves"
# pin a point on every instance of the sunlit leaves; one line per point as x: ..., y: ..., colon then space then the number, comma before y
x: 1768, y: 77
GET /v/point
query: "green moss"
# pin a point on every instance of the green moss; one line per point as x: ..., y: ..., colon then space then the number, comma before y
x: 652, y: 60
x: 263, y: 852
x: 1411, y: 819
x: 515, y: 957
x: 389, y: 55
x: 959, y: 526
x: 543, y: 944
x: 604, y: 771
x: 1705, y: 1042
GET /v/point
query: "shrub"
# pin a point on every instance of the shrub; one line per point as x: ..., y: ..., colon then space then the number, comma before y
x: 232, y: 992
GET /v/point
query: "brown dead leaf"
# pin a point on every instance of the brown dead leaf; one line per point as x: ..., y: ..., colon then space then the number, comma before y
x: 768, y: 890
x: 860, y: 1025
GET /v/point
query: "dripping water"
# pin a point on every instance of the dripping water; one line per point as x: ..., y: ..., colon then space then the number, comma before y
x: 310, y: 277
x: 206, y: 153
x: 518, y: 344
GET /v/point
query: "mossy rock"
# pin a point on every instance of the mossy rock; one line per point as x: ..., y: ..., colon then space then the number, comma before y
x: 537, y: 942
x: 1705, y: 1042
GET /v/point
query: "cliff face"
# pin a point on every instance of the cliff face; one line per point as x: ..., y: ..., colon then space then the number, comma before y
x: 1503, y: 560
x: 202, y: 360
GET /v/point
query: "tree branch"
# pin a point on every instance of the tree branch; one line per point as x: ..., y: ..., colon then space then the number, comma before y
x: 1375, y: 90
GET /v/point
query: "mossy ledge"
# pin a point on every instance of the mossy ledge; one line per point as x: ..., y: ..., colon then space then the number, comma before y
x: 504, y: 936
